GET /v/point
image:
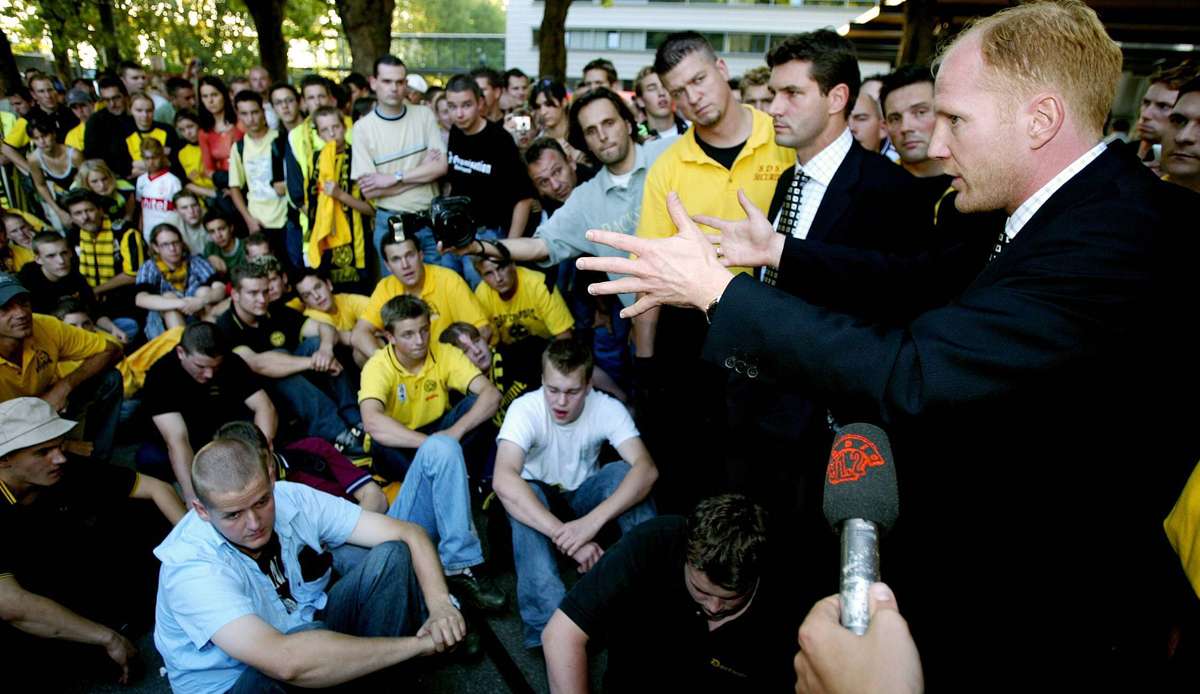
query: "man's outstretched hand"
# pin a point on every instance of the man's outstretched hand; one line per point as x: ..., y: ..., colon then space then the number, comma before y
x: 680, y: 270
x: 749, y: 242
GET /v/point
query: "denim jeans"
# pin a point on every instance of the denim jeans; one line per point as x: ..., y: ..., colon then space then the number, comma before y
x: 435, y: 496
x: 379, y: 597
x: 539, y: 589
x: 343, y: 388
x: 98, y: 402
x: 425, y: 242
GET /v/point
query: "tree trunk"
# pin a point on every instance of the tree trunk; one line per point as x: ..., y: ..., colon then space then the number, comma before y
x: 367, y: 25
x: 55, y: 17
x: 918, y: 47
x: 268, y: 24
x: 10, y: 75
x: 110, y: 51
x: 552, y: 45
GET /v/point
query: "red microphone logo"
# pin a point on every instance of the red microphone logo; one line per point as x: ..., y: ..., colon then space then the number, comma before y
x: 850, y: 458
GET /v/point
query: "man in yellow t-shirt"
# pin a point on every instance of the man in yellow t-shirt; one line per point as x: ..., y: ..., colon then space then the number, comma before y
x: 519, y: 304
x: 133, y: 367
x: 416, y: 436
x: 31, y: 345
x: 342, y: 311
x: 444, y: 291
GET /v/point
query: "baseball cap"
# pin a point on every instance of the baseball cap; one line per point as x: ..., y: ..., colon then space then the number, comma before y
x: 417, y: 83
x: 78, y: 96
x: 10, y: 286
x: 26, y: 422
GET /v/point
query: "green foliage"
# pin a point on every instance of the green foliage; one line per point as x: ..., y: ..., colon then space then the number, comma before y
x: 449, y: 16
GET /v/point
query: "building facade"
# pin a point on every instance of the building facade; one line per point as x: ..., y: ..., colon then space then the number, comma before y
x: 627, y: 32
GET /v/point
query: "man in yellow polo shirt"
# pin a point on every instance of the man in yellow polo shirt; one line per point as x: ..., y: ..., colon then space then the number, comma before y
x: 444, y: 291
x: 730, y: 147
x: 416, y: 436
x: 31, y: 345
x: 519, y: 304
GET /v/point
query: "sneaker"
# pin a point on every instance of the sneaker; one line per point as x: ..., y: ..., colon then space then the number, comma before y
x: 475, y: 592
x: 350, y: 442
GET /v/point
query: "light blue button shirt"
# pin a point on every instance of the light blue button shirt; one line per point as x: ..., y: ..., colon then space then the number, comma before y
x: 599, y: 203
x: 206, y: 583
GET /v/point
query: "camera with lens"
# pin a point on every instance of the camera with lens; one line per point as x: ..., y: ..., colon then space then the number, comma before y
x: 452, y: 223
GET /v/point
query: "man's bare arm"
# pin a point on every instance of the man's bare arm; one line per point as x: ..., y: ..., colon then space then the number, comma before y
x: 174, y: 431
x: 363, y: 339
x: 163, y: 496
x: 273, y: 364
x: 487, y: 401
x: 385, y: 430
x: 518, y: 498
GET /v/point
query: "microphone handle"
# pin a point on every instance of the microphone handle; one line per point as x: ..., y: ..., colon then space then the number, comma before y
x: 860, y: 568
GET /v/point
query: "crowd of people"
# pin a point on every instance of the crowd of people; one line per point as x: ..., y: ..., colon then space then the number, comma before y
x: 342, y: 321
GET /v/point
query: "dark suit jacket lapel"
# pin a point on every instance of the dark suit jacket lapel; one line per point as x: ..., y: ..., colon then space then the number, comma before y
x: 838, y: 196
x: 781, y: 186
x: 1094, y: 180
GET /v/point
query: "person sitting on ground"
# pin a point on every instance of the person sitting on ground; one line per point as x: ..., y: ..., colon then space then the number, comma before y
x: 133, y: 367
x: 32, y: 345
x: 141, y: 107
x: 257, y: 246
x: 518, y: 302
x: 188, y: 394
x: 191, y: 158
x: 13, y: 258
x: 246, y: 575
x: 302, y: 375
x: 416, y: 436
x: 322, y: 305
x: 701, y: 581
x: 19, y: 229
x: 547, y: 458
x: 116, y: 196
x: 514, y: 369
x: 54, y: 277
x: 442, y: 289
x: 58, y: 513
x: 175, y: 287
x: 191, y: 221
x: 156, y: 189
x: 224, y: 251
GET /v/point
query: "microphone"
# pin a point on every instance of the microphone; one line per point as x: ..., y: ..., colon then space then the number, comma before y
x: 861, y: 502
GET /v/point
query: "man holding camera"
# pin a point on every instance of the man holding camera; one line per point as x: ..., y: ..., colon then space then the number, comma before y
x: 446, y: 293
x: 397, y: 155
x: 486, y: 167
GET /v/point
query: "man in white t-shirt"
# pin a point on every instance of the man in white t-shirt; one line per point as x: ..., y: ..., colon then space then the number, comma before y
x: 547, y: 457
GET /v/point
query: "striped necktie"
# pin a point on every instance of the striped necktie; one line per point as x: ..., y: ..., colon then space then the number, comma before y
x: 789, y: 215
x: 1001, y: 244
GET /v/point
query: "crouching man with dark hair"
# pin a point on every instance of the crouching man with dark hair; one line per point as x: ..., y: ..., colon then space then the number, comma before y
x: 244, y: 603
x: 683, y: 604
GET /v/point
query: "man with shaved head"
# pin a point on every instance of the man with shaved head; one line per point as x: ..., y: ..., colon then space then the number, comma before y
x: 244, y: 597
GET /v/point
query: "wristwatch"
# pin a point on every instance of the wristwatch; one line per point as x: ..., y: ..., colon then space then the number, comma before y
x: 399, y: 175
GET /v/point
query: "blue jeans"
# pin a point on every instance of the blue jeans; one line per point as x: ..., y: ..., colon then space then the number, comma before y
x: 425, y: 242
x: 539, y: 589
x: 343, y: 388
x: 98, y: 401
x: 379, y: 597
x: 435, y: 496
x: 308, y: 403
x: 469, y: 273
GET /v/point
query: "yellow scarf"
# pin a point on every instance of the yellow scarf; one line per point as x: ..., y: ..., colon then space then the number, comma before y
x: 330, y: 227
x: 177, y: 277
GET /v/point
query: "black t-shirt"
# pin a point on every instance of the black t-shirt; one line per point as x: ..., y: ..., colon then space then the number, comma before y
x: 487, y: 168
x: 45, y: 294
x: 635, y: 602
x: 725, y: 156
x: 204, y: 406
x: 104, y: 138
x: 279, y: 329
x: 38, y: 541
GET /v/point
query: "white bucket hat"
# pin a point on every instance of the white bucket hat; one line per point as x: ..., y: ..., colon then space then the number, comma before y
x: 26, y: 422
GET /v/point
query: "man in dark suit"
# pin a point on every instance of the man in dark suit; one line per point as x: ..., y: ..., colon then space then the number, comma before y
x: 837, y: 193
x: 1030, y: 547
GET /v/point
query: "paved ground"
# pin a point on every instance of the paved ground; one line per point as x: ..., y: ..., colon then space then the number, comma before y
x: 504, y: 666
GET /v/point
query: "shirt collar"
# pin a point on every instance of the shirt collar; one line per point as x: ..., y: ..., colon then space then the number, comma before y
x: 824, y: 164
x: 606, y: 176
x: 395, y: 362
x: 1021, y: 216
x: 761, y: 132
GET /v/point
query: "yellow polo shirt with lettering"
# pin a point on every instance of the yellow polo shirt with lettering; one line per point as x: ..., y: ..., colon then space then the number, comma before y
x: 51, y: 342
x: 706, y: 187
x: 416, y: 399
x: 532, y: 310
x: 447, y: 294
x: 348, y: 308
